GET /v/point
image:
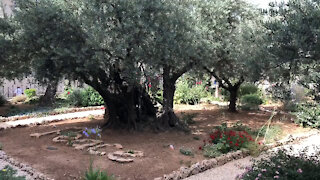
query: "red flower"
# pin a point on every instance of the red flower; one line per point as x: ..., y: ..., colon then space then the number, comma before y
x: 230, y: 142
x: 229, y: 138
x: 149, y: 85
x: 102, y: 107
x: 236, y: 144
x: 68, y: 92
x: 200, y: 148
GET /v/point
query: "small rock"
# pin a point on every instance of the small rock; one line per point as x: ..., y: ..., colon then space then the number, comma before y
x: 118, y: 146
x: 51, y: 148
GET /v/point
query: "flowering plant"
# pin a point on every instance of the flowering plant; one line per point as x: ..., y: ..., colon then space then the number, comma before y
x: 93, y: 131
x: 225, y: 139
x: 285, y: 165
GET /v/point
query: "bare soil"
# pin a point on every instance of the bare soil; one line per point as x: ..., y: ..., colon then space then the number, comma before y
x: 66, y: 163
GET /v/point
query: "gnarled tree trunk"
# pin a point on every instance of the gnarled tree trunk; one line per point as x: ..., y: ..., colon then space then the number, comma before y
x: 49, y: 96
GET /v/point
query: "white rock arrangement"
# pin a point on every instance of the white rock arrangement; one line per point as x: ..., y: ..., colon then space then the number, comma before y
x: 92, y: 145
x: 23, y: 167
x: 199, y: 167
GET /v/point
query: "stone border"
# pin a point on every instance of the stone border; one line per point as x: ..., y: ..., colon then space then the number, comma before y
x: 204, y: 165
x: 23, y: 167
x: 70, y: 110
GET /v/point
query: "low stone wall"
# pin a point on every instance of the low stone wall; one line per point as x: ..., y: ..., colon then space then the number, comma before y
x: 199, y: 167
x: 71, y: 110
x: 32, y: 173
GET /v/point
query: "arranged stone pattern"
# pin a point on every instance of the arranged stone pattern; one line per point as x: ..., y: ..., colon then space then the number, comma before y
x: 23, y: 167
x: 199, y: 167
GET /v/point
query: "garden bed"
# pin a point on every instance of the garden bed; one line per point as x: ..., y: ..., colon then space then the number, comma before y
x: 64, y: 162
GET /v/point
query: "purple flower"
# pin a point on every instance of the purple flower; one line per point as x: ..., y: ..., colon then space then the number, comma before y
x: 263, y: 170
x: 85, y: 133
x: 259, y: 175
x: 257, y: 178
x: 93, y: 131
x: 276, y: 177
x: 299, y: 170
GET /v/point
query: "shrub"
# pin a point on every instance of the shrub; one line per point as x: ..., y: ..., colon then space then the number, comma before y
x: 224, y: 140
x: 189, y: 94
x: 186, y: 151
x: 283, y: 165
x: 246, y: 89
x: 92, y: 174
x: 7, y: 173
x: 17, y: 99
x: 211, y: 150
x: 251, y: 101
x: 84, y: 97
x: 308, y: 115
x: 3, y: 100
x: 30, y: 93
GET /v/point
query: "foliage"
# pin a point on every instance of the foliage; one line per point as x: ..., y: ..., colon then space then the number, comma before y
x: 246, y: 89
x: 19, y: 99
x: 283, y: 165
x: 3, y: 100
x: 308, y: 115
x: 211, y: 150
x: 225, y: 139
x: 1, y: 147
x: 93, y: 174
x: 7, y: 173
x: 251, y: 101
x: 187, y: 93
x: 30, y: 93
x: 84, y: 97
x: 71, y: 135
x: 186, y: 151
x: 237, y: 30
x: 93, y: 131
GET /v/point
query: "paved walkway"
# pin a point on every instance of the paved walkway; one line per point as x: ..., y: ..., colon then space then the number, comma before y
x: 41, y: 120
x: 230, y: 170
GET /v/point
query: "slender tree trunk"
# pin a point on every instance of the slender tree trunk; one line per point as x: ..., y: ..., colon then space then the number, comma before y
x: 233, y: 99
x: 168, y: 118
x: 49, y: 97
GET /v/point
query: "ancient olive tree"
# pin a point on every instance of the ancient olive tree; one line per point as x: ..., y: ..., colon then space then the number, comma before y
x: 234, y: 28
x: 106, y: 44
x: 294, y: 32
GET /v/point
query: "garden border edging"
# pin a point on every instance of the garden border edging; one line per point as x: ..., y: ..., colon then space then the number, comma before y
x: 23, y: 167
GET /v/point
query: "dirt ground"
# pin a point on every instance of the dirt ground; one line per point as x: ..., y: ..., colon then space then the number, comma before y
x: 66, y: 163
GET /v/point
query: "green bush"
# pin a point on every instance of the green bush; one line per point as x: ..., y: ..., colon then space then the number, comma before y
x: 30, y: 93
x: 225, y: 139
x: 283, y: 165
x: 186, y: 151
x: 308, y: 115
x: 246, y: 89
x: 189, y: 94
x: 84, y: 97
x: 92, y: 174
x: 251, y: 101
x: 3, y: 100
x: 7, y: 173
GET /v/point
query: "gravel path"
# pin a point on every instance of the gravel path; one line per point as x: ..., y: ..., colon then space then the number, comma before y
x: 230, y: 170
x: 41, y: 120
